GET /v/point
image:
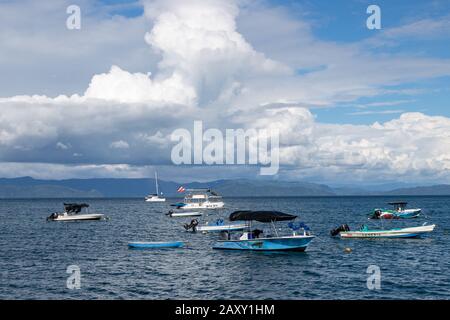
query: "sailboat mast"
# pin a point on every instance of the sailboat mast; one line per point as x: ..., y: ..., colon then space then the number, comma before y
x: 156, y: 181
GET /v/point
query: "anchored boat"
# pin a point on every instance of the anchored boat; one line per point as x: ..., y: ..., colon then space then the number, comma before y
x: 155, y: 197
x: 413, y: 232
x: 217, y: 226
x: 252, y: 239
x: 72, y: 213
x: 155, y: 244
x: 200, y: 199
x: 399, y: 212
x: 175, y: 214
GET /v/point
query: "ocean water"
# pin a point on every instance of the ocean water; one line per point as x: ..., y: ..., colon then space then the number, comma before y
x: 35, y: 254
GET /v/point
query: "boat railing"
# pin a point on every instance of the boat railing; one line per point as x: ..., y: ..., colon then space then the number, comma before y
x: 274, y: 228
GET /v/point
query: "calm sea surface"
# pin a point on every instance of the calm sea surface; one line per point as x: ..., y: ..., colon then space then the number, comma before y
x: 35, y: 254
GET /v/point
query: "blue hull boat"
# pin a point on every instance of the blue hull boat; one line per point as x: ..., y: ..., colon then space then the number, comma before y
x: 288, y: 243
x: 155, y: 245
x: 399, y: 212
x: 252, y: 239
x: 409, y: 213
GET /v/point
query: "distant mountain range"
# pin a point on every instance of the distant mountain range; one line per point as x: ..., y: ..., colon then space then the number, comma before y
x: 27, y: 187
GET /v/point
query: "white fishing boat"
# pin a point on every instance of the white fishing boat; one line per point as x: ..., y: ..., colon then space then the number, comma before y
x: 183, y: 214
x: 411, y: 232
x: 217, y: 226
x: 220, y: 226
x: 200, y: 199
x: 72, y: 213
x: 155, y: 196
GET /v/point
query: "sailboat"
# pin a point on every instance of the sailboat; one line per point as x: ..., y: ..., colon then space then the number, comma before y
x: 155, y: 196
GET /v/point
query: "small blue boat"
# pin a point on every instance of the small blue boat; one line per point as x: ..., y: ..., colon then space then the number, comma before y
x: 155, y: 245
x: 251, y: 239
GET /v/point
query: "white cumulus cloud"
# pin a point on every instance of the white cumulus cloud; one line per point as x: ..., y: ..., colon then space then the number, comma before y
x: 209, y: 71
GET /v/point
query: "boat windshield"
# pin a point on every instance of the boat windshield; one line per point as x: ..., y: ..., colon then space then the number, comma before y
x: 399, y: 206
x: 74, y: 207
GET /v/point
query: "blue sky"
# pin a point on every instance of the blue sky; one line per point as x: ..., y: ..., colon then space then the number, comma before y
x: 432, y: 98
x: 351, y: 104
x: 344, y: 21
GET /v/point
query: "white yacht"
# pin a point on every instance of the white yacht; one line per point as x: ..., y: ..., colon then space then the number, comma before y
x: 155, y: 197
x: 72, y: 213
x: 200, y: 199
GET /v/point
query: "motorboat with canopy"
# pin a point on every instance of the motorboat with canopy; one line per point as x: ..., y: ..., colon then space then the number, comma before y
x: 253, y: 239
x: 399, y: 212
x: 72, y: 213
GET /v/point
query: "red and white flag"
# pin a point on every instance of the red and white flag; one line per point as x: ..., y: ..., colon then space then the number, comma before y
x: 181, y: 189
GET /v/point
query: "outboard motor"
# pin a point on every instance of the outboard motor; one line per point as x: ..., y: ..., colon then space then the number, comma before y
x: 169, y: 213
x: 376, y: 214
x: 193, y: 225
x: 53, y: 216
x: 341, y: 228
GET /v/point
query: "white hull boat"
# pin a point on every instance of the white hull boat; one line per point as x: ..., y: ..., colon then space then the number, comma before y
x: 411, y: 232
x: 220, y: 226
x: 225, y: 227
x: 72, y: 213
x: 200, y: 199
x: 399, y: 212
x: 155, y: 197
x: 184, y: 214
x: 204, y: 205
x: 78, y: 217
